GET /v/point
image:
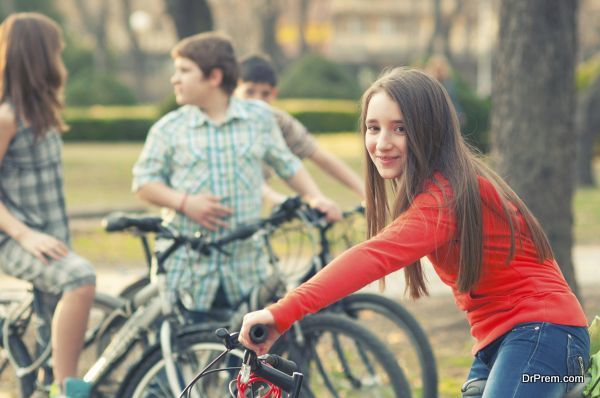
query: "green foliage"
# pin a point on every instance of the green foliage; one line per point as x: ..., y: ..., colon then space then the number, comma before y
x: 88, y: 88
x: 45, y: 7
x: 168, y: 105
x: 77, y: 58
x: 120, y: 124
x: 117, y: 129
x: 316, y: 77
x: 587, y: 73
x: 321, y: 122
x: 475, y: 114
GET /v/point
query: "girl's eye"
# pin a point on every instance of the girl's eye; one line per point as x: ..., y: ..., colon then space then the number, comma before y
x: 372, y: 128
x: 400, y: 129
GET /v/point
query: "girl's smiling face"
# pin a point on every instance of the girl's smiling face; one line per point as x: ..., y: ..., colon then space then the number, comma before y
x: 385, y: 136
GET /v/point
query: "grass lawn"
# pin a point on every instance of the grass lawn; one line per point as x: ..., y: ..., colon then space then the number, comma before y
x: 98, y: 176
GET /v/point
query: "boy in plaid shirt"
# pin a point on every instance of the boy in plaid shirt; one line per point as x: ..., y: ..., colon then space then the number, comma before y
x: 203, y: 161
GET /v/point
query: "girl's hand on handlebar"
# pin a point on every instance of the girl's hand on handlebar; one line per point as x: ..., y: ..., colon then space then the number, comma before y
x: 258, y: 317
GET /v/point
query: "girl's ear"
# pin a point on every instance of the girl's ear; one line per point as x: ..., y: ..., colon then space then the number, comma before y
x: 216, y: 77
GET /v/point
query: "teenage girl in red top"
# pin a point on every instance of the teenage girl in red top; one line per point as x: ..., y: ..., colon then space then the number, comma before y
x: 481, y: 238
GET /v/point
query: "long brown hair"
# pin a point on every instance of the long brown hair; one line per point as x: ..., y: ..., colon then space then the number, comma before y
x: 434, y: 144
x: 32, y: 74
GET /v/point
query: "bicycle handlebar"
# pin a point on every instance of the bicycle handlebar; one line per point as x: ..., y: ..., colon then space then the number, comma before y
x: 116, y: 222
x: 143, y: 224
x: 259, y: 333
x: 318, y: 218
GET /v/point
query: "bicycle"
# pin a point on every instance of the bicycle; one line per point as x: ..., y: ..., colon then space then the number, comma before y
x: 380, y: 373
x: 266, y: 375
x: 132, y: 321
x: 386, y: 318
x: 407, y: 338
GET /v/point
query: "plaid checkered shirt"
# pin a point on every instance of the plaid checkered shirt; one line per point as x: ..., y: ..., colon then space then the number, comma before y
x: 189, y: 153
x: 31, y: 182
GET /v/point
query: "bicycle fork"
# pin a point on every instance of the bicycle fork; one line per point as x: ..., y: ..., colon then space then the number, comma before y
x: 166, y: 347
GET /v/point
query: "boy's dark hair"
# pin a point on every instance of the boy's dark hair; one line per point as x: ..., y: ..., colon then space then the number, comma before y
x: 258, y: 69
x: 211, y: 50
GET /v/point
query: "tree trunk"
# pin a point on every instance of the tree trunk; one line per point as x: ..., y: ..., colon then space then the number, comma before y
x: 588, y: 126
x: 302, y: 24
x: 95, y: 21
x: 190, y: 16
x: 533, y: 134
x: 268, y: 21
x: 137, y: 53
x: 439, y: 42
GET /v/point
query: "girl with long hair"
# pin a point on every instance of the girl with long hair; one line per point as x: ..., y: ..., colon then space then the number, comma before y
x: 34, y: 232
x: 481, y: 238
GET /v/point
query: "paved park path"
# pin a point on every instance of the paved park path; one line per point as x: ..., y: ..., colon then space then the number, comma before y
x: 442, y: 321
x: 112, y: 279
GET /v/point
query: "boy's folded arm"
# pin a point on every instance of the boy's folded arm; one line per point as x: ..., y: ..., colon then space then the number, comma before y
x: 159, y: 194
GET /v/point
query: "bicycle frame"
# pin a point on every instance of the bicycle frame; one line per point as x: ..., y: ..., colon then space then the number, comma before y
x: 149, y: 307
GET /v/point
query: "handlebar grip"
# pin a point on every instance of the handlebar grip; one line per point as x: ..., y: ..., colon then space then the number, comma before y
x: 259, y: 333
x: 118, y: 222
x: 241, y: 233
x: 285, y: 365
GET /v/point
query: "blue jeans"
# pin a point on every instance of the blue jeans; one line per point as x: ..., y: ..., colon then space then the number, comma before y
x: 514, y: 365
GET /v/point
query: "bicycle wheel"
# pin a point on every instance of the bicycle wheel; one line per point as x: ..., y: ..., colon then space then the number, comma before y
x: 192, y: 353
x: 340, y: 358
x: 19, y: 352
x: 16, y: 339
x: 401, y: 332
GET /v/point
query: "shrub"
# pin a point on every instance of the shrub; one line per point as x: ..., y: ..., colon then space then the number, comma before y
x: 88, y: 88
x: 328, y: 122
x: 136, y: 129
x: 316, y: 77
x: 475, y: 114
x: 167, y: 105
x: 94, y: 129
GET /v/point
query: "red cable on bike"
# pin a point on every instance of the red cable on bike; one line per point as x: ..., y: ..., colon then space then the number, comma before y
x: 272, y: 392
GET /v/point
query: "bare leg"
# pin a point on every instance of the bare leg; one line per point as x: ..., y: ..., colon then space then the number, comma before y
x: 68, y: 330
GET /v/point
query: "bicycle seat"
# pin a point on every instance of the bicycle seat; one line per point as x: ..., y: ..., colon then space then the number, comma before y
x: 115, y: 222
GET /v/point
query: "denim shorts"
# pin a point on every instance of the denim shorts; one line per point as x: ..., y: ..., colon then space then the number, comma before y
x: 534, y: 359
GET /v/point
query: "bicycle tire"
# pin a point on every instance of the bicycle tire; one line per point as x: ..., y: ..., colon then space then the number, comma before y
x: 341, y: 358
x: 411, y: 346
x: 147, y: 379
x: 26, y: 384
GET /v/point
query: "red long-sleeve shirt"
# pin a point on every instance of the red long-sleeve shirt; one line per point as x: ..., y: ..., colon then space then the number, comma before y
x: 525, y: 290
